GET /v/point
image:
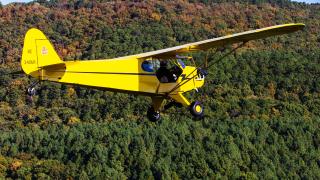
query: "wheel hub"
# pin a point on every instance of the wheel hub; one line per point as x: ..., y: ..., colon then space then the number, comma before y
x: 198, y: 108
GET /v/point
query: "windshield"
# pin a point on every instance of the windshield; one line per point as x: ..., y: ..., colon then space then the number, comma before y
x: 181, y: 63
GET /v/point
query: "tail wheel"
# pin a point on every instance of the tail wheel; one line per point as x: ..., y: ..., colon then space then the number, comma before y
x: 153, y: 115
x: 196, y: 109
x: 31, y: 91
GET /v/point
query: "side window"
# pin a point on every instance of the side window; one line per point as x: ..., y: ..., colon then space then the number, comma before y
x: 147, y: 66
x: 150, y: 65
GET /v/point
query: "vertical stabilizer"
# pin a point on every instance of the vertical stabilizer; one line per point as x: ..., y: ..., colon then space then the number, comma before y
x: 37, y: 52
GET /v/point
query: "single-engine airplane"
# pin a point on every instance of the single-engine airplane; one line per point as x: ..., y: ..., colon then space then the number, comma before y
x: 161, y: 74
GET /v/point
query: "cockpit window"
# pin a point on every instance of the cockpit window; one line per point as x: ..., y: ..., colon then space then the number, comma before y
x: 181, y: 63
x: 147, y: 66
x: 169, y: 71
x: 150, y: 65
x: 166, y: 70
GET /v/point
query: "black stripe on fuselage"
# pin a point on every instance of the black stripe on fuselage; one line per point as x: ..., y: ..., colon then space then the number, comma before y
x: 79, y: 72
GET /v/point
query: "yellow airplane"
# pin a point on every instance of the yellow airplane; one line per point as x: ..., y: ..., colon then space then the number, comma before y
x: 161, y: 75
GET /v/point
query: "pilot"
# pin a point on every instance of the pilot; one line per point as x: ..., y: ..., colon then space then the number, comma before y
x: 163, y: 74
x: 175, y: 72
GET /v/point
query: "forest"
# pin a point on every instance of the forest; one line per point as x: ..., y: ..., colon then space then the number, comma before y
x: 262, y: 103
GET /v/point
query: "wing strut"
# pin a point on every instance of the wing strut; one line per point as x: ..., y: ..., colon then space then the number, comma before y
x: 220, y: 59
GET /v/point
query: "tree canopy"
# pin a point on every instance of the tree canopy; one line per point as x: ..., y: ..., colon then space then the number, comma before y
x: 262, y: 103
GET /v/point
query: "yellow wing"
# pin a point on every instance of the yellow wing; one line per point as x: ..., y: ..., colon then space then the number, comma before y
x: 221, y: 41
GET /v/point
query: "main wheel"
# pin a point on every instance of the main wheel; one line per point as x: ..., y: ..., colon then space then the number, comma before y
x: 196, y: 109
x: 153, y: 115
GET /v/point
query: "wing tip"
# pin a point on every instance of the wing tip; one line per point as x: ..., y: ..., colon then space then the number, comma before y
x: 291, y: 27
x: 299, y: 26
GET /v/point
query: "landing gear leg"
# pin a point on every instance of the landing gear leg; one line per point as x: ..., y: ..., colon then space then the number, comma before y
x: 153, y: 112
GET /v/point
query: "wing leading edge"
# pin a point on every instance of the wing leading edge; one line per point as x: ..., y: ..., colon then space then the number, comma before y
x: 221, y: 41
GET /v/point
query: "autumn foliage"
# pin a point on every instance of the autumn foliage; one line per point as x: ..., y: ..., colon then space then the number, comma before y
x: 262, y: 102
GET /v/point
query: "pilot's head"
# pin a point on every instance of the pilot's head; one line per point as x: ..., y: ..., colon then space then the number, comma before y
x: 163, y: 63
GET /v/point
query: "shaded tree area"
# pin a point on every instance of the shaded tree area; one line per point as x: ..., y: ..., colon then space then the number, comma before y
x: 282, y: 147
x: 262, y: 102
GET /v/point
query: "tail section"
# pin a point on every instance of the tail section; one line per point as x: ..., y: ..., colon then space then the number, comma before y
x: 37, y: 53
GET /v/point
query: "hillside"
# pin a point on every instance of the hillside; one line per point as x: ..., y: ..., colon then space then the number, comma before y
x: 262, y: 103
